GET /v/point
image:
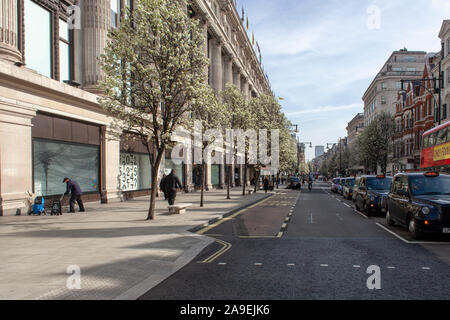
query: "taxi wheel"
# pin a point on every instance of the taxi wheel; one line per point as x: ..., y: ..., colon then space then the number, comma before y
x: 389, y: 221
x: 412, y: 226
x: 366, y: 209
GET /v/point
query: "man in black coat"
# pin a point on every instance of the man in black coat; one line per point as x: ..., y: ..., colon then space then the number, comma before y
x: 162, y: 186
x: 172, y: 183
x: 75, y: 194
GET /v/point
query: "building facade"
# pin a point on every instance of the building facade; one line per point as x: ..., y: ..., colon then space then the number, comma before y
x: 319, y: 150
x: 51, y: 124
x: 354, y: 128
x: 444, y: 35
x: 381, y: 96
x: 414, y: 114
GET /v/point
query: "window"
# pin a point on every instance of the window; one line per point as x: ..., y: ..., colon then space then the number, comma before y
x: 64, y: 51
x: 383, y: 86
x: 383, y: 100
x: 444, y: 111
x: 38, y: 46
x: 115, y: 9
x: 135, y: 171
x: 441, y: 136
x: 398, y: 85
x: 448, y: 75
x: 411, y: 69
x: 409, y: 59
x: 54, y: 159
x: 397, y: 69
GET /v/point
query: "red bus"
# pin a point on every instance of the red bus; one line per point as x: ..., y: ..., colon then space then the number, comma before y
x: 436, y: 148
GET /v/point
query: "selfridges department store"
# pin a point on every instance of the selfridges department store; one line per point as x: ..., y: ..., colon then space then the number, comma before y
x: 51, y: 125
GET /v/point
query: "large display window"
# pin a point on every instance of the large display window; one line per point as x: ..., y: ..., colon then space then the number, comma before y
x: 135, y: 171
x: 55, y: 160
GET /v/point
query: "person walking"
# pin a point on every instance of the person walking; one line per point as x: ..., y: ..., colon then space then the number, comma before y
x: 266, y: 184
x: 75, y: 194
x: 172, y: 183
x: 162, y: 186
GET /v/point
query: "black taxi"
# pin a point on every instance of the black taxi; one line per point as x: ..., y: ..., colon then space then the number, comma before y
x: 420, y: 202
x: 369, y: 192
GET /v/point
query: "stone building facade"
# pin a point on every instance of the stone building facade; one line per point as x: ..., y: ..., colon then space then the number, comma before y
x: 382, y: 92
x: 51, y: 124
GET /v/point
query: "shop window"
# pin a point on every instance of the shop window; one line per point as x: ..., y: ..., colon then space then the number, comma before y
x: 64, y: 51
x: 135, y: 171
x: 54, y: 160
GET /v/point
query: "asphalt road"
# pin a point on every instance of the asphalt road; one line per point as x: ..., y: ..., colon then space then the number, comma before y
x: 310, y: 246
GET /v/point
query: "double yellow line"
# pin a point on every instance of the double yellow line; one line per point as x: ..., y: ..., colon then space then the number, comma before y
x: 225, y: 248
x: 226, y: 245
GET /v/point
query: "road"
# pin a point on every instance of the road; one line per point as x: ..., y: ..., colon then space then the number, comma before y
x: 310, y: 246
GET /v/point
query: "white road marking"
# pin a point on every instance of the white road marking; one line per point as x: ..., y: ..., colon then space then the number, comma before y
x: 426, y: 268
x: 356, y: 266
x: 324, y: 265
x: 391, y: 267
x: 222, y: 263
x: 291, y: 264
x: 339, y: 217
x: 258, y: 264
x: 393, y: 233
x: 347, y: 205
x: 361, y: 214
x: 312, y: 221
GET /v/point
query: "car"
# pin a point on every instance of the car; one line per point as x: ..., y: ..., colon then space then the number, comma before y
x: 355, y: 188
x: 341, y: 186
x: 335, y: 185
x: 347, y: 191
x: 420, y: 202
x: 370, y: 191
x: 294, y: 183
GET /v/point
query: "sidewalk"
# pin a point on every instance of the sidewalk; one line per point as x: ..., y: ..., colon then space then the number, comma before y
x: 120, y: 254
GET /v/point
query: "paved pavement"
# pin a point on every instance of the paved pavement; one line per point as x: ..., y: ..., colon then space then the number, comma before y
x: 119, y: 253
x: 323, y: 250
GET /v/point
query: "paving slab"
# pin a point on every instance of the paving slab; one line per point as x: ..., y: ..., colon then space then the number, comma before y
x: 119, y: 253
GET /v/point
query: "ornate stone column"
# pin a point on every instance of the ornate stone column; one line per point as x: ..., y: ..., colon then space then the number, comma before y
x: 216, y: 66
x: 228, y: 75
x: 236, y: 77
x: 9, y: 30
x: 16, y: 158
x: 244, y: 88
x: 96, y: 22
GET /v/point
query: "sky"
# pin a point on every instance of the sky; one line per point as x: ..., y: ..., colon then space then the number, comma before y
x: 322, y: 55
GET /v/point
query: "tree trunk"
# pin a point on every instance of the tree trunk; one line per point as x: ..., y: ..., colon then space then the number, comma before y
x: 228, y: 182
x: 257, y: 181
x: 155, y: 171
x: 244, y: 183
x: 202, y: 177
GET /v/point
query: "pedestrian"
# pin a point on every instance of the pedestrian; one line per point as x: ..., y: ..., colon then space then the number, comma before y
x: 162, y: 186
x: 75, y: 194
x: 266, y: 184
x: 172, y: 183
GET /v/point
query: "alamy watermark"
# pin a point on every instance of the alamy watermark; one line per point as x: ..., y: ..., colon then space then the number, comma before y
x: 374, y: 17
x: 73, y: 282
